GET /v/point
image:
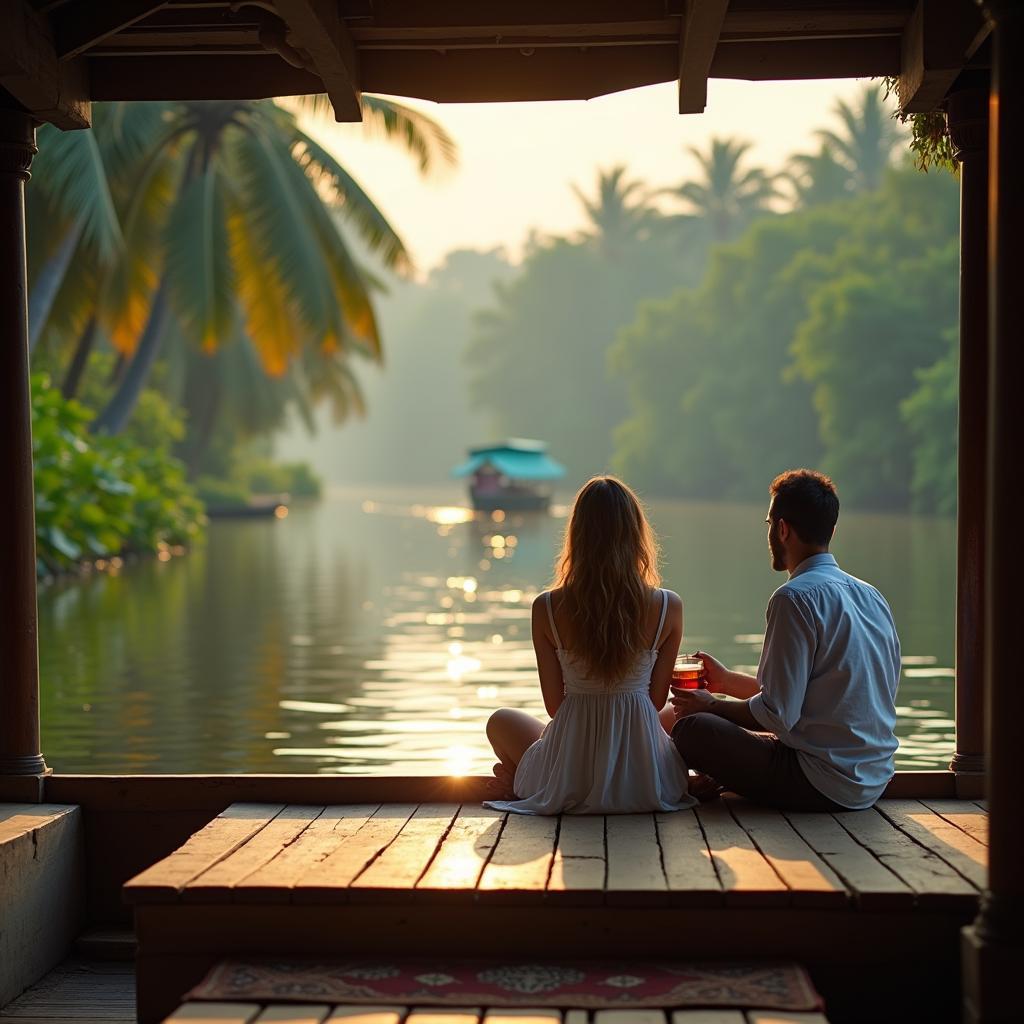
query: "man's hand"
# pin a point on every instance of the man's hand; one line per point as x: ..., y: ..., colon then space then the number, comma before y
x: 691, y: 702
x: 715, y: 673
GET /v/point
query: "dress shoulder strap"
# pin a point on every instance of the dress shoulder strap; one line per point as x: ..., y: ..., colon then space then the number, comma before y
x: 661, y: 621
x: 551, y: 619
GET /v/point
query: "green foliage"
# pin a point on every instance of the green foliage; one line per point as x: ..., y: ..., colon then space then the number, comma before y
x: 820, y: 338
x: 262, y: 476
x: 930, y: 413
x: 930, y: 140
x: 538, y: 358
x: 97, y: 497
x: 214, y: 491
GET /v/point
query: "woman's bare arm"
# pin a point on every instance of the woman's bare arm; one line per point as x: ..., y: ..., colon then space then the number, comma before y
x: 672, y: 636
x: 549, y: 668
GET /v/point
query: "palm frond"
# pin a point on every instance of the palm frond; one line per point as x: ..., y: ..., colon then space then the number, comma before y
x: 355, y: 205
x: 278, y: 227
x: 197, y: 262
x: 70, y: 168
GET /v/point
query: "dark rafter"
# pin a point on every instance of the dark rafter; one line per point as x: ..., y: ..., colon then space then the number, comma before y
x: 701, y: 27
x: 316, y: 28
x: 86, y: 23
x: 938, y: 40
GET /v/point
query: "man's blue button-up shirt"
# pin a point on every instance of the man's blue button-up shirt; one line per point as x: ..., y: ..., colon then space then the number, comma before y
x: 828, y: 674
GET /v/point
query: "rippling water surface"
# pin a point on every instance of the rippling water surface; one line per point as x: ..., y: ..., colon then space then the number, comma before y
x: 374, y: 632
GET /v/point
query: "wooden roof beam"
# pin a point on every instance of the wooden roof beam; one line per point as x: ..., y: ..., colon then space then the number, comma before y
x: 80, y: 27
x: 315, y: 27
x: 698, y: 39
x: 938, y: 40
x: 47, y: 88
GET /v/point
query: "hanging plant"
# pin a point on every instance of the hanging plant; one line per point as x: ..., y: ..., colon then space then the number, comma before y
x: 930, y: 141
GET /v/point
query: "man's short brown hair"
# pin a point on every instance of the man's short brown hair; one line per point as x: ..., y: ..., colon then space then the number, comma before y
x: 807, y: 500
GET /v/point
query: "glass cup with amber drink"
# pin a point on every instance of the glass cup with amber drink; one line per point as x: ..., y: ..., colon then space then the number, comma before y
x: 688, y: 673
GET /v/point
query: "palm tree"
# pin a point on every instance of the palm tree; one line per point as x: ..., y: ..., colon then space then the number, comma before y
x: 71, y: 204
x: 817, y: 177
x: 231, y: 229
x: 729, y: 196
x: 621, y: 212
x: 865, y: 141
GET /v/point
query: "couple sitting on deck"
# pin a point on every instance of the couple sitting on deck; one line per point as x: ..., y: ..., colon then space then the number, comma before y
x: 813, y: 731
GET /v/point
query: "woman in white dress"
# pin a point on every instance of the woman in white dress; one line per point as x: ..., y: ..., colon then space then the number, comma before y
x: 606, y: 639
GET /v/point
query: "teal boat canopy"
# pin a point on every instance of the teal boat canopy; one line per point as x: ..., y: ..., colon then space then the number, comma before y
x: 516, y: 459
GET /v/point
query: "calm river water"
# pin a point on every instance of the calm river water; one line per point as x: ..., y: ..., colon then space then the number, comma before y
x: 374, y: 632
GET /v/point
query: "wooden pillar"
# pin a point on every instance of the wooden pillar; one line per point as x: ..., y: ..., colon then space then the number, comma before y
x: 19, y: 656
x: 993, y: 946
x: 967, y: 116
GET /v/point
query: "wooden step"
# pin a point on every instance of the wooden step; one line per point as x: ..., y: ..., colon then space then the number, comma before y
x: 108, y: 944
x: 299, y: 1013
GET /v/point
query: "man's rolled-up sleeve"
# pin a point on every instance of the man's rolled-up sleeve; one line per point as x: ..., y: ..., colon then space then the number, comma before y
x: 785, y: 666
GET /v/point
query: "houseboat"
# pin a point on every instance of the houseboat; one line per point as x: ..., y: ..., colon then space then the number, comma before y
x: 516, y: 475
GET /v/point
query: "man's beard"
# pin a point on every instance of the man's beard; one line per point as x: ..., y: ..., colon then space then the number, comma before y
x: 778, y: 553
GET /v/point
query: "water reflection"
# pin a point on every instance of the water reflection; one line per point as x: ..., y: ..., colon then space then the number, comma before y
x: 375, y: 635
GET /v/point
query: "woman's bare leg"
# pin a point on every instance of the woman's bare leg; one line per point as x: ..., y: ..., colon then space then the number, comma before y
x: 667, y: 717
x: 510, y: 733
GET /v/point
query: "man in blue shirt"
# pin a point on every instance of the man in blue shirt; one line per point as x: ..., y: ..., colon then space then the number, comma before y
x: 814, y: 730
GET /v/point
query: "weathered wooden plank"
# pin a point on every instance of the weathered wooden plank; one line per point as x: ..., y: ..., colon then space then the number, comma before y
x: 747, y: 877
x: 214, y: 1013
x: 521, y: 861
x: 873, y: 885
x: 784, y: 1017
x: 965, y: 814
x: 689, y: 868
x: 329, y: 879
x: 454, y: 872
x: 578, y: 870
x: 629, y: 1017
x: 399, y: 867
x: 458, y: 1015
x: 811, y: 881
x: 304, y: 1013
x: 275, y: 880
x: 965, y: 855
x: 367, y: 1015
x: 635, y: 874
x: 210, y: 845
x: 708, y: 1017
x: 217, y: 883
x: 932, y: 879
x: 522, y: 1015
x: 18, y: 819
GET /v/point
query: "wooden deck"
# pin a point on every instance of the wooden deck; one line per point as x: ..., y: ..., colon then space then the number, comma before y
x: 892, y: 884
x: 78, y: 991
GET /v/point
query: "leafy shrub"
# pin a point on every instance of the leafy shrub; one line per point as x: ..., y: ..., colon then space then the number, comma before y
x: 224, y: 493
x: 296, y: 479
x: 99, y: 496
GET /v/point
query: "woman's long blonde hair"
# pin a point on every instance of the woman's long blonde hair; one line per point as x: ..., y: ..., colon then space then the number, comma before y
x: 606, y: 569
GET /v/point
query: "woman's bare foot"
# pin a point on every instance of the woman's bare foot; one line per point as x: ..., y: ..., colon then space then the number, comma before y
x: 704, y: 788
x: 501, y: 785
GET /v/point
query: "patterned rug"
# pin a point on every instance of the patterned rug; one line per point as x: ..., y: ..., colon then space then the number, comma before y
x: 566, y: 984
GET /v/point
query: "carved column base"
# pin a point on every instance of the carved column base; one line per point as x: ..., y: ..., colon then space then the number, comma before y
x: 990, y: 964
x: 972, y: 764
x: 24, y: 789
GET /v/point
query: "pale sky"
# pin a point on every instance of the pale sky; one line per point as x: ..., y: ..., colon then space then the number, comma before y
x: 518, y: 160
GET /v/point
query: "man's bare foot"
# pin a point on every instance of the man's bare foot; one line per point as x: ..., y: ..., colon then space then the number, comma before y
x: 501, y: 785
x: 704, y: 788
